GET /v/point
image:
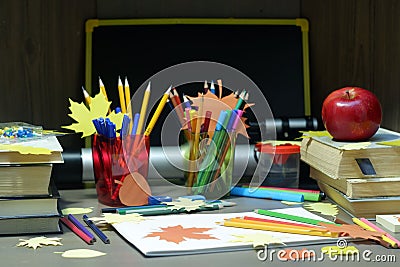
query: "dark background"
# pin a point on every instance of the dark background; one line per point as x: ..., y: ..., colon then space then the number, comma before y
x: 352, y: 42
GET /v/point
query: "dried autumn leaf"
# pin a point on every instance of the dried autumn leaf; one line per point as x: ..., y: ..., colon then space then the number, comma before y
x: 185, y: 203
x: 390, y: 143
x: 308, y: 134
x: 352, y: 230
x: 98, y: 108
x: 323, y: 208
x: 177, y: 234
x: 40, y: 241
x: 216, y: 105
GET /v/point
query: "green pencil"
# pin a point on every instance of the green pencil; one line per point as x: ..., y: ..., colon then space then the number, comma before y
x: 290, y: 217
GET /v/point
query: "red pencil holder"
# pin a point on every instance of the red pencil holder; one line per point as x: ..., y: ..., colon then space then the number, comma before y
x: 113, y: 161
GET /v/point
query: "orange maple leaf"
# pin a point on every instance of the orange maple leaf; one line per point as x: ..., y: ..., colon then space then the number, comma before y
x: 177, y: 234
x: 352, y: 230
x: 216, y: 105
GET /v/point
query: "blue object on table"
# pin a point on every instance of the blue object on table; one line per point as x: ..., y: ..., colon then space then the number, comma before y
x: 247, y: 192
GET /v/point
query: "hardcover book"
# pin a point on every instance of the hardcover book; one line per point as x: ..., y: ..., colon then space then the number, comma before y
x: 353, y: 159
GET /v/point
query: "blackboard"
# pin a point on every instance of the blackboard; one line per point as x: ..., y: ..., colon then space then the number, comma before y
x: 272, y: 53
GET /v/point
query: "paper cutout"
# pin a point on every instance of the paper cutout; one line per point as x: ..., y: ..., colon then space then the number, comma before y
x: 99, y: 107
x: 25, y: 149
x: 37, y: 242
x: 291, y: 203
x: 177, y: 234
x: 185, y: 203
x: 258, y: 240
x: 134, y: 190
x: 353, y: 231
x: 76, y: 211
x: 323, y: 208
x: 81, y: 253
x: 336, y: 250
x: 390, y: 143
x: 216, y: 105
x: 111, y: 218
x: 356, y: 145
x: 295, y: 254
x: 307, y: 134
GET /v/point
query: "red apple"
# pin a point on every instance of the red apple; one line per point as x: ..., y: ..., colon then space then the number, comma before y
x: 351, y: 114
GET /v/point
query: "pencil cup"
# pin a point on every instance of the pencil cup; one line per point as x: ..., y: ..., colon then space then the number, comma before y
x: 208, y: 163
x: 113, y: 160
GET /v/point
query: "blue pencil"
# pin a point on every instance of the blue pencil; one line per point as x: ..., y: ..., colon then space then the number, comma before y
x: 81, y: 227
x: 95, y: 229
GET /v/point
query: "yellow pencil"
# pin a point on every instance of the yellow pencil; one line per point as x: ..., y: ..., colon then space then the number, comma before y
x: 157, y: 112
x: 86, y: 95
x: 143, y: 109
x: 369, y: 228
x: 121, y: 95
x: 103, y: 90
x: 220, y: 88
x: 128, y: 103
x: 281, y: 229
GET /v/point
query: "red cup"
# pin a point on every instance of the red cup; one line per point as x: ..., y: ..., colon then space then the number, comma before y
x: 113, y: 160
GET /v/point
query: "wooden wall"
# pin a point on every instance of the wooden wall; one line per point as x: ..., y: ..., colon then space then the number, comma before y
x: 352, y: 42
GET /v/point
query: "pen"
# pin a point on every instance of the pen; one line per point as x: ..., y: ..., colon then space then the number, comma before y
x: 115, y: 210
x: 80, y: 226
x: 77, y: 231
x: 95, y: 229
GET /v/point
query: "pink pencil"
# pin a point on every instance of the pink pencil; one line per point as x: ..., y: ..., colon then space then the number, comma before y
x: 380, y: 230
x: 77, y: 231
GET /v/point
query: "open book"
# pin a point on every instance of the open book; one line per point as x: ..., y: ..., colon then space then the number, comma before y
x: 203, y: 233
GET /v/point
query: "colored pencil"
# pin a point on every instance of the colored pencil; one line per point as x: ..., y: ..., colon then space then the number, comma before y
x: 220, y: 88
x: 143, y: 109
x: 80, y: 226
x: 77, y: 231
x: 380, y: 230
x: 95, y: 229
x: 104, y: 92
x: 290, y: 217
x: 369, y: 228
x: 122, y: 102
x: 86, y: 95
x: 157, y: 113
x: 279, y: 228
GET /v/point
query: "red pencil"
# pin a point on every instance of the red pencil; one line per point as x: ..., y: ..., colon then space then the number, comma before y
x: 77, y: 231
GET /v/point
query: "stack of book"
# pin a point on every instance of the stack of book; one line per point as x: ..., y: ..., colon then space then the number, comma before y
x: 362, y: 177
x: 28, y: 195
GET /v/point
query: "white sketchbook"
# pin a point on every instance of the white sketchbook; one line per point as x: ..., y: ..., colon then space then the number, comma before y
x: 148, y: 235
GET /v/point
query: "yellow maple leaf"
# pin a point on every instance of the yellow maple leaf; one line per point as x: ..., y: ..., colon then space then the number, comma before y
x: 98, y: 108
x: 390, y: 143
x: 307, y: 134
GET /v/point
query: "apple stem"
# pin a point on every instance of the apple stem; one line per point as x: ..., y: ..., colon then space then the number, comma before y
x: 348, y: 94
